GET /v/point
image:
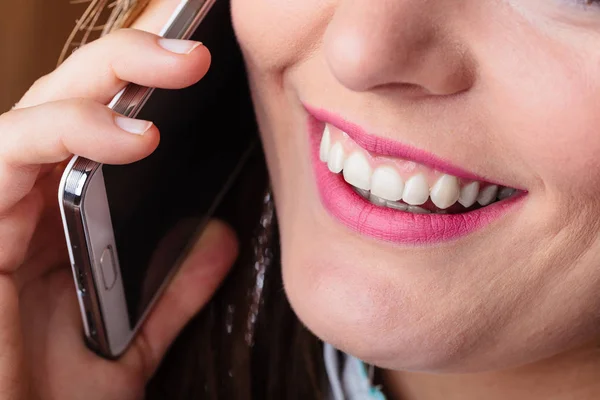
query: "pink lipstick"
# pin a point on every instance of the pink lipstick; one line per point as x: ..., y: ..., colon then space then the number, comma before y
x: 386, y: 224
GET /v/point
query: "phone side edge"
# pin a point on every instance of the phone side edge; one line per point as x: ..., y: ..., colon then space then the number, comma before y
x: 106, y: 270
x: 70, y: 195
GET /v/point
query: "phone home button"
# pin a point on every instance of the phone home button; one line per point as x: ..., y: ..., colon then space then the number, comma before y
x: 108, y: 267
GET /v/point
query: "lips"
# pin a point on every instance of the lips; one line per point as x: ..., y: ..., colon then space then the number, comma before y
x: 394, y: 220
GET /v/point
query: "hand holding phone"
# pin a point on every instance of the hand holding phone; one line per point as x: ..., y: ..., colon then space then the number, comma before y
x: 128, y: 227
x: 41, y: 338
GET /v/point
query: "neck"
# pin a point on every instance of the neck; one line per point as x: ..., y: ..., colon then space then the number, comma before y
x: 572, y: 375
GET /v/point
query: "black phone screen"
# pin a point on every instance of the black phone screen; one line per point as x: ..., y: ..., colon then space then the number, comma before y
x: 158, y: 204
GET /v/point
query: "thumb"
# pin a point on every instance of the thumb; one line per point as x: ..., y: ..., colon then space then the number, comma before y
x: 192, y: 287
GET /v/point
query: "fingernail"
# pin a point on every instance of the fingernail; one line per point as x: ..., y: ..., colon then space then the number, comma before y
x: 178, y: 46
x: 135, y: 126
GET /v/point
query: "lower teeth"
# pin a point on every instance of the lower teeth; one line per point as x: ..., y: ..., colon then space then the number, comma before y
x: 419, y: 210
x: 503, y: 194
x: 401, y: 206
x: 396, y: 205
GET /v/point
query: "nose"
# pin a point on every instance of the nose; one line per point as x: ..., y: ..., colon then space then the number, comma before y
x: 371, y: 44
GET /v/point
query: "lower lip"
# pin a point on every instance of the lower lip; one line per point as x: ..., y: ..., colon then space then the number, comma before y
x: 386, y: 224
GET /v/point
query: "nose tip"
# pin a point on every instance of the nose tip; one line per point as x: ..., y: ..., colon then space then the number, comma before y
x: 369, y: 50
x: 349, y: 61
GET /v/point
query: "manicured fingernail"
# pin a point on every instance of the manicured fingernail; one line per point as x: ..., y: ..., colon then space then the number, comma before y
x: 135, y: 126
x: 178, y: 46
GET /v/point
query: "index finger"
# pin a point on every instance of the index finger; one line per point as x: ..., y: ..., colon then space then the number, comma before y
x: 99, y: 70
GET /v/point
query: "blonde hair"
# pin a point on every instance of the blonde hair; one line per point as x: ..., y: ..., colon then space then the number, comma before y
x: 99, y: 18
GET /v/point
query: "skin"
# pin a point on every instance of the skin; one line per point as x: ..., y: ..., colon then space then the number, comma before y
x: 41, y: 340
x: 504, y: 89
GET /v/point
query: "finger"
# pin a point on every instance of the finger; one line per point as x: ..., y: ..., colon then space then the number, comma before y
x: 12, y: 380
x: 47, y: 248
x: 191, y: 289
x: 52, y: 132
x: 100, y: 69
x: 53, y: 332
x: 16, y: 229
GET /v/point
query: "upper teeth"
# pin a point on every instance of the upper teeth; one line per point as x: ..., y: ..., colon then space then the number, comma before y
x: 335, y: 160
x: 487, y: 195
x: 325, y: 145
x: 416, y: 191
x: 445, y: 192
x: 357, y: 171
x: 468, y: 194
x: 385, y: 182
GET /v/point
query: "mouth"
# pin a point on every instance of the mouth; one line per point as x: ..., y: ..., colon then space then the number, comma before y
x: 384, y: 189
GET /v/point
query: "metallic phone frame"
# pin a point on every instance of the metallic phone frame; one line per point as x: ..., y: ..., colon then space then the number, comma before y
x: 83, y: 202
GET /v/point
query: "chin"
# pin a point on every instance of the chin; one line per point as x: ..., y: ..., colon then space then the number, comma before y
x: 345, y: 292
x: 349, y: 299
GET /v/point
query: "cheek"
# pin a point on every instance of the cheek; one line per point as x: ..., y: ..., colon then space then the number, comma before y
x: 541, y: 98
x: 557, y: 132
x: 275, y: 34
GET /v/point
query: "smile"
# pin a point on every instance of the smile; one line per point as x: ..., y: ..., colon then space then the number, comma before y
x: 392, y: 192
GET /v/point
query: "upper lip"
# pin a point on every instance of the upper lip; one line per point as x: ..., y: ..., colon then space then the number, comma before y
x: 392, y: 148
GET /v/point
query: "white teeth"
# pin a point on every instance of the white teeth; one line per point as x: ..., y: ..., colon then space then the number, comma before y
x: 445, y: 192
x: 357, y: 171
x: 487, y: 195
x: 335, y: 161
x: 385, y: 187
x: 396, y: 205
x: 505, y: 193
x: 416, y: 191
x: 378, y: 201
x: 468, y: 194
x: 325, y: 144
x: 363, y: 193
x: 387, y: 183
x: 418, y: 210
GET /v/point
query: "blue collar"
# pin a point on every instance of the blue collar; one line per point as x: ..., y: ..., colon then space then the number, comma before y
x: 348, y: 377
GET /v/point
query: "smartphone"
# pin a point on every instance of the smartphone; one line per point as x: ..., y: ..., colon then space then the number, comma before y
x: 129, y: 227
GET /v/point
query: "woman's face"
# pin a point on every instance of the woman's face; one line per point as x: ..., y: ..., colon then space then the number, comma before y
x: 433, y: 96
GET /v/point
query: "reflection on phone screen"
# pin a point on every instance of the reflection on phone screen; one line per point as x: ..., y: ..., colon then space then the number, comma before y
x: 158, y: 203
